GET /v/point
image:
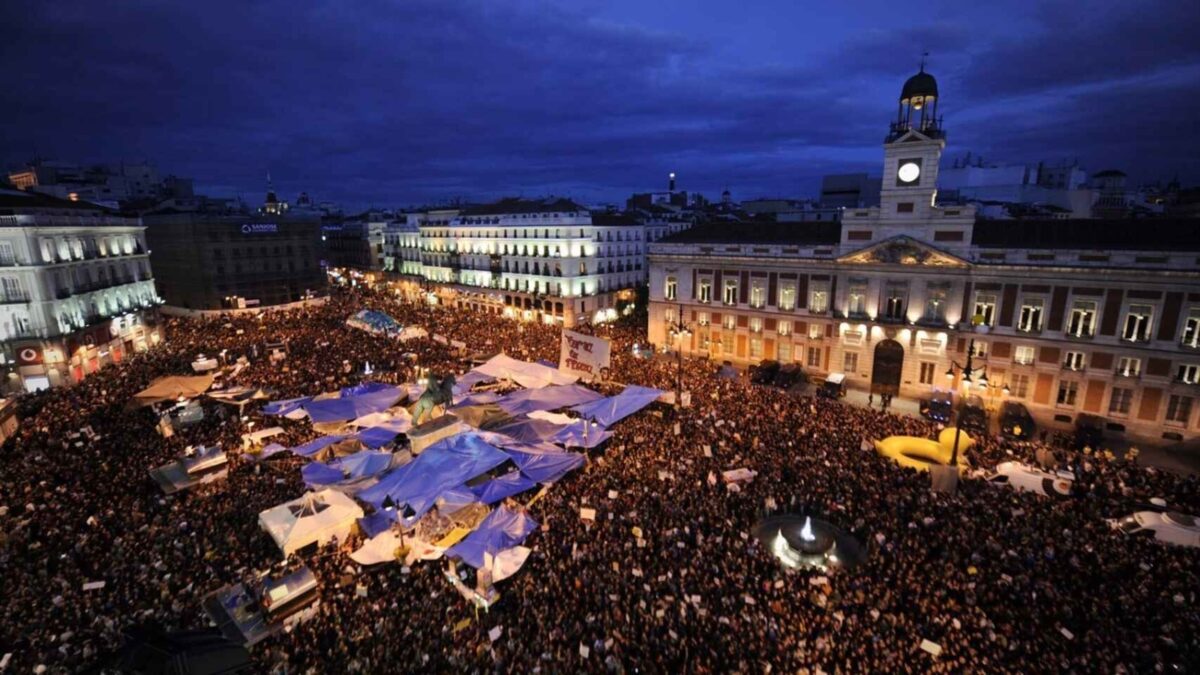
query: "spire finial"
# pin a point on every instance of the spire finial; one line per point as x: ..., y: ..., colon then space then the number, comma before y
x: 924, y: 55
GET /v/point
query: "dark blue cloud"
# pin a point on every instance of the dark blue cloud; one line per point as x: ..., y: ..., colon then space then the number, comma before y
x: 394, y: 102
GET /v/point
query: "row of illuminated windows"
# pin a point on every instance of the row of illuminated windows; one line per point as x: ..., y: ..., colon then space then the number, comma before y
x: 1137, y: 326
x: 893, y: 305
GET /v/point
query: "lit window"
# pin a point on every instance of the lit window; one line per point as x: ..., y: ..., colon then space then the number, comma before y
x: 702, y: 318
x: 815, y: 331
x: 1024, y: 355
x: 1189, y: 373
x: 727, y: 343
x: 935, y: 303
x: 785, y: 328
x: 818, y: 303
x: 1191, y: 329
x: 1031, y: 316
x: 758, y: 294
x: 985, y: 310
x: 856, y: 304
x: 1067, y: 391
x: 787, y: 298
x: 785, y: 352
x: 704, y: 292
x: 1083, y: 319
x: 729, y: 322
x: 1137, y: 323
x: 756, y: 325
x: 850, y: 362
x: 1073, y: 361
x: 756, y: 348
x: 671, y: 288
x: 1128, y: 366
x: 730, y: 292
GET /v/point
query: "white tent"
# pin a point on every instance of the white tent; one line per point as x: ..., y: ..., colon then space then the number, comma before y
x: 529, y: 375
x: 315, y: 517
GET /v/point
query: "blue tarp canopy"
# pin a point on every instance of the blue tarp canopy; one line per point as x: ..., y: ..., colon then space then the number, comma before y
x: 546, y: 398
x: 502, y: 529
x: 543, y: 462
x: 286, y: 406
x: 464, y: 383
x: 444, y: 465
x: 370, y: 319
x: 478, y: 398
x: 529, y: 430
x: 500, y: 488
x: 375, y: 523
x: 348, y: 407
x: 608, y: 411
x: 379, y: 436
x: 319, y: 473
x: 316, y: 445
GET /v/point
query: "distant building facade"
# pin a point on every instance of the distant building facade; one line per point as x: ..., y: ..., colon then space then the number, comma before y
x: 212, y: 258
x: 109, y: 185
x: 1097, y: 317
x: 76, y: 290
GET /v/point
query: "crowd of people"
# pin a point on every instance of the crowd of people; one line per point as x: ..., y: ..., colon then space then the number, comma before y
x: 666, y: 578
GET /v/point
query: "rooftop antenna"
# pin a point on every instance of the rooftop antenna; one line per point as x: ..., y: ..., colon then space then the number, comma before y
x: 924, y: 55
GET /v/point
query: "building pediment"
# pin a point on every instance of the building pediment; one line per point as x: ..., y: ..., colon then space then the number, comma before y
x: 903, y: 250
x: 912, y: 136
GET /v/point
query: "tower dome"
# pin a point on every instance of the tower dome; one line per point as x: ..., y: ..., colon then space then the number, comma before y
x: 918, y: 88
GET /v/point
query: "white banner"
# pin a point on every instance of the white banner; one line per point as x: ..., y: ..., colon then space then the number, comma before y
x: 583, y: 355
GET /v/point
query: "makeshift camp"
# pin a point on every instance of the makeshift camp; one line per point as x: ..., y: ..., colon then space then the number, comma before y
x: 503, y: 487
x: 360, y: 465
x: 608, y: 411
x: 481, y: 416
x: 529, y: 375
x: 314, y: 518
x: 354, y: 403
x: 174, y: 387
x: 546, y: 398
x: 374, y: 322
x: 202, y: 466
x: 412, y: 489
x: 503, y: 529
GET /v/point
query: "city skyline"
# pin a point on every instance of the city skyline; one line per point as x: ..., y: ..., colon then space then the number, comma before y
x: 401, y: 104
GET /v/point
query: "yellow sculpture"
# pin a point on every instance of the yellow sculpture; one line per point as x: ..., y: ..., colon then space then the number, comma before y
x: 919, y: 453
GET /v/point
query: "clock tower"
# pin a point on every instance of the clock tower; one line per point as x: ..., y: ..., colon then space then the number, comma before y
x: 911, y: 152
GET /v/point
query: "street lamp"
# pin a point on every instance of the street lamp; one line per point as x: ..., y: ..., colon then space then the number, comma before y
x: 678, y: 329
x: 967, y: 371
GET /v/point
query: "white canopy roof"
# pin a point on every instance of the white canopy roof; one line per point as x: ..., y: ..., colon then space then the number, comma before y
x: 313, y: 517
x: 529, y: 375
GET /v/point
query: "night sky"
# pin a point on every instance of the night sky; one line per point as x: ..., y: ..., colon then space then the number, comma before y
x: 399, y: 102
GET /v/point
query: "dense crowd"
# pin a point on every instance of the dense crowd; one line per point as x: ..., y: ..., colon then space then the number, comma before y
x: 1002, y: 581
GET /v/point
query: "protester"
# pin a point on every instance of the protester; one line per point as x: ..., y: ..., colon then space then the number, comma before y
x: 1002, y: 581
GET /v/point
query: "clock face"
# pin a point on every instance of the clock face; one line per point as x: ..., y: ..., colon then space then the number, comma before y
x: 908, y: 172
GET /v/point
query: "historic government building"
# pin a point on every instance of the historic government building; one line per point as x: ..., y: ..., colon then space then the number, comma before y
x: 1069, y: 317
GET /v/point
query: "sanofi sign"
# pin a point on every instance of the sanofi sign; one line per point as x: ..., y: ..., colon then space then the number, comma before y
x: 260, y: 228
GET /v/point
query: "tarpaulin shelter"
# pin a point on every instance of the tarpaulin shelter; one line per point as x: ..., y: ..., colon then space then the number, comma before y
x: 286, y: 406
x: 608, y: 411
x: 481, y: 416
x: 500, y: 488
x: 501, y: 530
x: 354, y: 467
x: 478, y: 398
x: 352, y: 405
x: 544, y: 466
x: 316, y: 445
x: 448, y: 463
x: 529, y: 375
x: 174, y: 387
x: 381, y: 435
x: 314, y: 518
x: 472, y: 378
x: 552, y: 397
x: 373, y: 321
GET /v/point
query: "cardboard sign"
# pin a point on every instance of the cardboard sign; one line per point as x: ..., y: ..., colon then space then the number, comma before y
x: 583, y: 355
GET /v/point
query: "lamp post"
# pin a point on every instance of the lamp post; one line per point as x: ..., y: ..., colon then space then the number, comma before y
x: 678, y: 329
x: 967, y: 370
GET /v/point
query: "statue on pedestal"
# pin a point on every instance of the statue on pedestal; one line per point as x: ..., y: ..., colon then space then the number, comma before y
x: 439, y: 391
